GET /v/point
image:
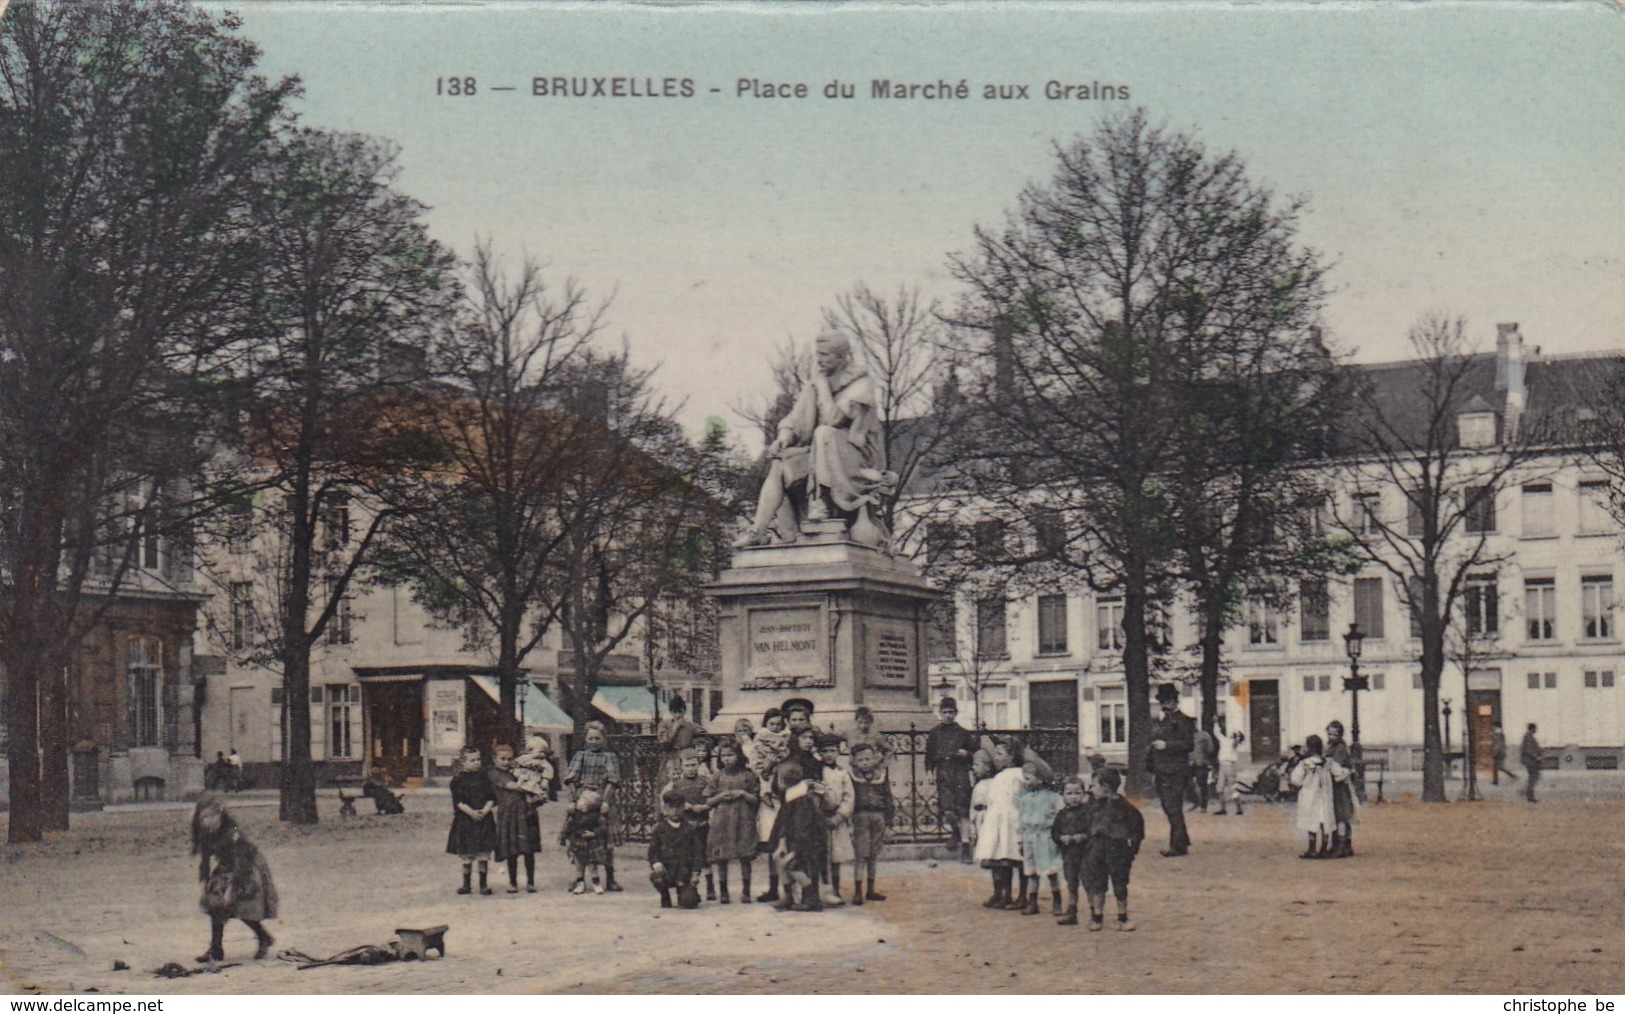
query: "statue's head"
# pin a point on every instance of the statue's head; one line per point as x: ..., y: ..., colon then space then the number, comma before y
x: 833, y: 351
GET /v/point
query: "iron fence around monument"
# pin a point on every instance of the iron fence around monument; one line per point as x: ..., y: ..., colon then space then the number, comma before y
x: 917, y: 818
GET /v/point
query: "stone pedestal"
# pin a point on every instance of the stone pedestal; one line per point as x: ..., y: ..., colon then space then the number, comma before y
x: 829, y: 620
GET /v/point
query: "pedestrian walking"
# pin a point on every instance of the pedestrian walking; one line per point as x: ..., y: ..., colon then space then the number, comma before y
x: 1498, y: 747
x: 1204, y: 758
x: 238, y: 886
x: 733, y: 794
x: 948, y: 751
x: 1172, y: 737
x: 1530, y: 754
x: 1224, y: 785
x: 473, y: 835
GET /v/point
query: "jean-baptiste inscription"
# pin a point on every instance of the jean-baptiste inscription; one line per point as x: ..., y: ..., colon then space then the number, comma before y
x: 787, y: 650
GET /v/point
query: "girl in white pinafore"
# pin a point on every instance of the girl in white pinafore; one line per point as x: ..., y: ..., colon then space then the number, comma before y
x: 998, y: 839
x: 1316, y: 815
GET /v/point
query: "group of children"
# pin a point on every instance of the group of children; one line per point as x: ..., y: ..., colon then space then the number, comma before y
x: 780, y: 793
x: 1024, y: 832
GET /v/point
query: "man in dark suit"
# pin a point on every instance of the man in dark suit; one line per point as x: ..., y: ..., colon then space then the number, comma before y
x: 1172, y: 737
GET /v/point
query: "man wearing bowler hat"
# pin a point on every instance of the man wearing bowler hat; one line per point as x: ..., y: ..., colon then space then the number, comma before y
x: 948, y: 752
x: 1172, y: 737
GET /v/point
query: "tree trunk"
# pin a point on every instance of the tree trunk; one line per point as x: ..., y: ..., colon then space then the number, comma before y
x: 298, y: 801
x: 1432, y: 744
x: 56, y: 787
x: 508, y: 675
x: 27, y: 819
x: 1212, y: 660
x: 1137, y: 678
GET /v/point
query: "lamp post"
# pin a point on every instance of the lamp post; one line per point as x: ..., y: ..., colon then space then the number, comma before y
x: 1353, y: 641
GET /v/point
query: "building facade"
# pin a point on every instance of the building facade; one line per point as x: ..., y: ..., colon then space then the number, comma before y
x: 1542, y: 622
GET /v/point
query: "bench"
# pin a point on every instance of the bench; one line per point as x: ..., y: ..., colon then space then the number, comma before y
x: 1380, y: 766
x: 417, y: 943
x: 349, y: 792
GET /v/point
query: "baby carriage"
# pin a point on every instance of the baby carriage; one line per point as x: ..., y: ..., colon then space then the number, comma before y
x: 1271, y: 784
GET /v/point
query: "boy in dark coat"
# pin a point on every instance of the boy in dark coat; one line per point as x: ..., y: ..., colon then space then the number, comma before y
x: 1071, y: 833
x: 1115, y: 829
x: 674, y: 850
x: 800, y: 839
x: 692, y: 793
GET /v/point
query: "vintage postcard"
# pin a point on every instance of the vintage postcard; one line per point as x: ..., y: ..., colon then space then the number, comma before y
x: 804, y: 498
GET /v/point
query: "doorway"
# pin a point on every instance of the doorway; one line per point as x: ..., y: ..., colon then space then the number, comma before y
x: 1264, y: 720
x: 395, y: 730
x: 1483, y: 715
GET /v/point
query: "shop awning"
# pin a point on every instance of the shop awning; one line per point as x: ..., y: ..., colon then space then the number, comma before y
x: 627, y: 704
x: 540, y: 711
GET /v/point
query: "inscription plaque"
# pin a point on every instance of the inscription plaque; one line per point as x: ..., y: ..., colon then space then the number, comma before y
x: 787, y: 649
x: 892, y: 653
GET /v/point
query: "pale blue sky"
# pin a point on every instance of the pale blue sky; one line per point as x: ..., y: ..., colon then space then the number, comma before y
x: 1464, y: 158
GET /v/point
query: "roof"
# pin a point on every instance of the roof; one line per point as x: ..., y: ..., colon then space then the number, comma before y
x: 539, y: 710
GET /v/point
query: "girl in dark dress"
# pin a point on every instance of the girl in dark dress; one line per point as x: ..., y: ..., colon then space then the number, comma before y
x: 1343, y: 802
x: 473, y: 828
x: 238, y: 886
x: 517, y: 836
x: 800, y: 838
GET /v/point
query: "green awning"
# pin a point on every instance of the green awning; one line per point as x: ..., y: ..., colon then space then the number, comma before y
x: 540, y: 711
x: 628, y: 704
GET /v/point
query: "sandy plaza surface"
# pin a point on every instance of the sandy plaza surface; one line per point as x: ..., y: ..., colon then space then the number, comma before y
x: 1491, y: 897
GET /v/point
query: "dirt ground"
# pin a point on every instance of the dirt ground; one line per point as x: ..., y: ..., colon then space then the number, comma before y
x: 1497, y: 897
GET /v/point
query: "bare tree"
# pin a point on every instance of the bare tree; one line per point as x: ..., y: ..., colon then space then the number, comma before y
x: 128, y: 132
x: 1109, y: 295
x: 349, y: 280
x: 481, y: 534
x: 1406, y: 436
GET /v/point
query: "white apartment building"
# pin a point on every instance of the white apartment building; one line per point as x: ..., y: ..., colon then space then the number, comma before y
x: 1545, y: 624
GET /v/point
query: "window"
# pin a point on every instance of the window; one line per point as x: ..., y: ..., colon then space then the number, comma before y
x: 279, y: 723
x: 1049, y: 532
x: 1413, y: 514
x: 1416, y: 681
x: 942, y: 635
x: 1543, y: 681
x: 1481, y: 600
x: 1479, y: 514
x: 1537, y: 510
x: 1476, y: 429
x: 342, y: 699
x: 1109, y: 624
x: 1262, y: 624
x: 242, y: 615
x: 143, y: 682
x: 988, y: 541
x: 1540, y: 608
x: 1379, y: 681
x: 149, y: 549
x: 1599, y: 680
x: 1597, y: 606
x: 1368, y: 513
x: 940, y: 538
x: 990, y: 629
x: 1594, y: 507
x: 1113, y: 709
x: 338, y: 625
x: 335, y: 517
x: 716, y: 702
x: 1052, y: 624
x: 1368, y: 606
x: 1317, y: 684
x: 1314, y: 611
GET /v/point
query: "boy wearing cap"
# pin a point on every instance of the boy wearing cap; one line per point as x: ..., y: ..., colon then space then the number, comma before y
x: 872, y: 808
x: 1114, y: 829
x: 948, y: 751
x: 1172, y: 738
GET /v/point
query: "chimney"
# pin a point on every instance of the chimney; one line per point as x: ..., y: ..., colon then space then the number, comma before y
x: 1509, y: 364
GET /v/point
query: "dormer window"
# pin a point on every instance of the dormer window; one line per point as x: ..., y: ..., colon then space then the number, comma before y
x: 1475, y: 423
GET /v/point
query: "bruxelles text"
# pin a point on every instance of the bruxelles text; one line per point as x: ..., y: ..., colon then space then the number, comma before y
x: 561, y: 87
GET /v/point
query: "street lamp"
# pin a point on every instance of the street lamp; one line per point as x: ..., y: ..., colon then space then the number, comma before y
x: 1353, y: 641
